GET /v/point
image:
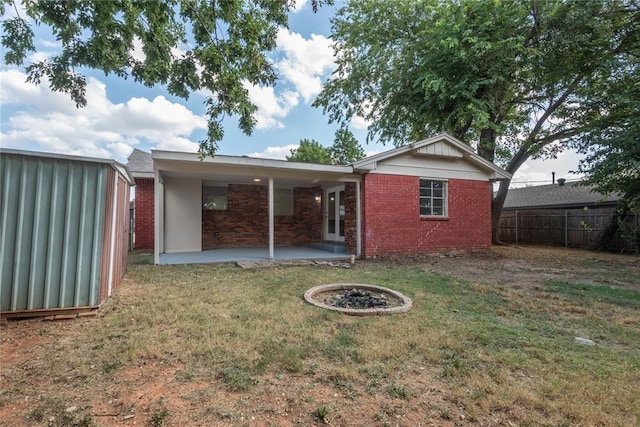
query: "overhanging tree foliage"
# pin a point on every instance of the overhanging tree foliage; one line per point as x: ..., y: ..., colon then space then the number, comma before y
x: 612, y: 155
x: 188, y: 45
x: 511, y: 78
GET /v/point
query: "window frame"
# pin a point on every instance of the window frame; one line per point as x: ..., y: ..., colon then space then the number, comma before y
x: 433, y: 198
x: 205, y: 198
x: 278, y: 207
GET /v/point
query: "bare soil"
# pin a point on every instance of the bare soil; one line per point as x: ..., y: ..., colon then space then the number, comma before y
x: 154, y: 394
x: 530, y: 266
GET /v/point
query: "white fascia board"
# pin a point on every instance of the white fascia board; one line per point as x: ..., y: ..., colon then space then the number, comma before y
x: 370, y: 163
x: 250, y: 162
x: 143, y: 175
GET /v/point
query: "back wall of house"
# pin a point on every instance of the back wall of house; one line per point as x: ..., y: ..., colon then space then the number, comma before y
x: 245, y: 222
x: 393, y: 225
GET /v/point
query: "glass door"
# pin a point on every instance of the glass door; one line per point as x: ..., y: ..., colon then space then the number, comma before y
x: 334, y: 214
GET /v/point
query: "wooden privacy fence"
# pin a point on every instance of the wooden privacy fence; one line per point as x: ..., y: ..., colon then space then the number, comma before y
x: 571, y: 228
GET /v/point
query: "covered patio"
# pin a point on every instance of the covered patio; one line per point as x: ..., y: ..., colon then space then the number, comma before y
x: 231, y: 208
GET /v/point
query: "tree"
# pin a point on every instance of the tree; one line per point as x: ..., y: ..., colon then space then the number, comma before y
x: 188, y: 45
x: 612, y: 155
x: 310, y: 151
x: 345, y: 149
x: 511, y: 78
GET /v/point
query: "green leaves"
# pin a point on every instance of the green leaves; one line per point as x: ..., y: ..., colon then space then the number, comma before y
x: 345, y: 150
x: 187, y: 45
x: 519, y: 73
x: 18, y: 41
x: 310, y: 151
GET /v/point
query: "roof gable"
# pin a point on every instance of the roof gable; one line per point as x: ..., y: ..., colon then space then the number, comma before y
x: 140, y: 163
x: 440, y: 147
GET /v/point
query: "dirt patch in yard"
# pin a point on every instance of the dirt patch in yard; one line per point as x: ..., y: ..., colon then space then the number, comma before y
x: 527, y: 266
x: 400, y: 370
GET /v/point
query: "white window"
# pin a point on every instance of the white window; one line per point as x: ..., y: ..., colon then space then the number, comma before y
x: 433, y: 198
x: 282, y: 202
x: 214, y: 198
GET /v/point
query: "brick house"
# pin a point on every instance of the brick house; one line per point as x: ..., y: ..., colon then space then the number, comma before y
x: 429, y: 196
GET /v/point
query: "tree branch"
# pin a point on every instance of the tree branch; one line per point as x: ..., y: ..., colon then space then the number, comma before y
x: 553, y: 107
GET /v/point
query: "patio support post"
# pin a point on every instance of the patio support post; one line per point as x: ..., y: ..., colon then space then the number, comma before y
x: 271, y: 232
x: 158, y: 223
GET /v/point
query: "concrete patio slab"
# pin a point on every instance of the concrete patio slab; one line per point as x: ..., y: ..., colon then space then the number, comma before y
x: 249, y: 254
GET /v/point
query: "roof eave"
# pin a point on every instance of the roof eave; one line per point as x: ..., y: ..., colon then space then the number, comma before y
x: 496, y: 173
x: 250, y: 162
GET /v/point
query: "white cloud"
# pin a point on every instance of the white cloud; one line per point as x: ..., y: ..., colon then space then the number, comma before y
x: 278, y: 153
x: 14, y: 88
x: 305, y: 62
x: 51, y: 44
x: 298, y: 5
x: 137, y: 52
x: 271, y: 107
x: 538, y: 171
x: 359, y: 122
x: 49, y: 121
x: 177, y: 143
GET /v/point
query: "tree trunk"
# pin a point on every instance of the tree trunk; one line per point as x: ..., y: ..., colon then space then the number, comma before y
x: 496, y: 210
x: 498, y: 202
x: 603, y: 241
x: 487, y: 144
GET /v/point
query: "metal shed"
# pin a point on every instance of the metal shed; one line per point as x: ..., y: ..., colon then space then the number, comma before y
x: 64, y: 225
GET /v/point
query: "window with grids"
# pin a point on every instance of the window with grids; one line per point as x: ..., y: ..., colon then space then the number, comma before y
x: 433, y: 198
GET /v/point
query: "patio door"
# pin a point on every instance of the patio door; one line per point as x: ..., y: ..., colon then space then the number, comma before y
x: 334, y: 214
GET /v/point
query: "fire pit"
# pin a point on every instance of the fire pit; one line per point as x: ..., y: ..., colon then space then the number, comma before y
x: 358, y: 299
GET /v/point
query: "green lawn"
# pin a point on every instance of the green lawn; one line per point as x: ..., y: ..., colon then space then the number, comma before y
x: 466, y: 352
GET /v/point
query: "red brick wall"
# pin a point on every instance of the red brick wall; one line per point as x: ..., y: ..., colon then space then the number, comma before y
x: 350, y: 219
x: 392, y: 222
x: 245, y: 223
x: 144, y: 214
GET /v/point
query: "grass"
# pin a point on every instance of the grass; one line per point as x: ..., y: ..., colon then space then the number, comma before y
x: 489, y: 351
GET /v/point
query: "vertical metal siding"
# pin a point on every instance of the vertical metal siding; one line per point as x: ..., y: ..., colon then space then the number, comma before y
x: 107, y: 233
x: 50, y: 232
x: 116, y: 232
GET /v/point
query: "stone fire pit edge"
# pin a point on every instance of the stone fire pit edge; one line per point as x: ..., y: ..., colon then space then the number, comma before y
x: 402, y: 308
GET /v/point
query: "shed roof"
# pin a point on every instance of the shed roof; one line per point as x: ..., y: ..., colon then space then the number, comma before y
x: 122, y: 169
x: 571, y: 194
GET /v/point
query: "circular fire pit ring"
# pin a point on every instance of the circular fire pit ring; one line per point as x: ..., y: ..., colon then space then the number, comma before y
x: 358, y: 299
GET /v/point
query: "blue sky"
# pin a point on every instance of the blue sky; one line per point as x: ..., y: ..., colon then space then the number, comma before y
x: 122, y: 115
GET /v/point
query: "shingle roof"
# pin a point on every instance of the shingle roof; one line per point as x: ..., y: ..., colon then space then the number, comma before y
x: 140, y: 161
x: 571, y: 194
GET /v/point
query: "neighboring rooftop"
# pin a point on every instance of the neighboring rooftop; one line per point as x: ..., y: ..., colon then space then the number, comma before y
x: 571, y: 194
x: 140, y: 162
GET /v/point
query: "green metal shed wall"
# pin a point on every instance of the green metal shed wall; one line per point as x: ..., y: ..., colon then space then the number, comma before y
x: 51, y: 225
